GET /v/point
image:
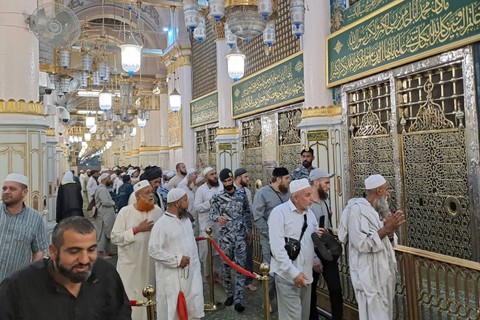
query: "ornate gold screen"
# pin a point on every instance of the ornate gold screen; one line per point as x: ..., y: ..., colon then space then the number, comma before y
x: 201, y: 149
x: 411, y: 125
x: 289, y: 138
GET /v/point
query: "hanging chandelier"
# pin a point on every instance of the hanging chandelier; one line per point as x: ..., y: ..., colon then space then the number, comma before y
x: 235, y: 64
x: 175, y: 98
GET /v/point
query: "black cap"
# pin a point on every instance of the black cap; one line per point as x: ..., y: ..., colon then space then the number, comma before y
x: 280, y: 172
x: 310, y: 150
x: 126, y: 178
x: 151, y: 173
x: 225, y: 174
x: 240, y: 171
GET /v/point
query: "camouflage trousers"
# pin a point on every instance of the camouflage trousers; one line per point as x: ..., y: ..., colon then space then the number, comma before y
x: 234, y: 245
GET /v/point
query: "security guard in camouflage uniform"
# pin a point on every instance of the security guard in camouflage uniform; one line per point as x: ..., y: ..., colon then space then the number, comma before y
x: 230, y: 208
x: 304, y: 170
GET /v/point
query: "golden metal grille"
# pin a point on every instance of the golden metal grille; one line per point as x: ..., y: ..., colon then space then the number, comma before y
x: 257, y: 54
x: 212, y: 147
x: 204, y: 64
x: 371, y: 147
x: 289, y: 138
x: 430, y: 116
x: 438, y: 286
x: 201, y: 149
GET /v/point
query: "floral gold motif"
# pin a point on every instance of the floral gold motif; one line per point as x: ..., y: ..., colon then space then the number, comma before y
x: 21, y: 106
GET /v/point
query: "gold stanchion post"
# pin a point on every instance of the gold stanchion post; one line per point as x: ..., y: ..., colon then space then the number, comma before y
x: 213, y: 305
x: 265, y: 269
x: 149, y: 292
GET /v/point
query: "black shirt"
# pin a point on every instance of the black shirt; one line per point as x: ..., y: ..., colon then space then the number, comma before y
x: 32, y: 294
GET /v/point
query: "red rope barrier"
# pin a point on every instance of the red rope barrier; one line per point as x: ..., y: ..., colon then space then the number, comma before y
x: 230, y: 263
x: 136, y: 303
x: 200, y: 238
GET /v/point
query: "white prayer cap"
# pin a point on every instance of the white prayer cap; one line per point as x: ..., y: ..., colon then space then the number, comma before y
x: 130, y: 171
x: 297, y: 185
x: 170, y: 174
x: 190, y: 171
x: 207, y: 170
x: 16, y: 177
x: 374, y: 181
x: 175, y: 194
x: 140, y: 185
x: 103, y: 176
x: 113, y: 176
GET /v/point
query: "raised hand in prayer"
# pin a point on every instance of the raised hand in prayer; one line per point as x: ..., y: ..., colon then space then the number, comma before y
x: 391, y: 223
x: 222, y: 220
x: 144, y: 226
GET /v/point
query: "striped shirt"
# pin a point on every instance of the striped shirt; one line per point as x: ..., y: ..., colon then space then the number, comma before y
x: 21, y: 235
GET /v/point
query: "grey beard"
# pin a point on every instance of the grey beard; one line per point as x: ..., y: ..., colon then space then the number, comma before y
x: 382, y: 208
x: 183, y: 213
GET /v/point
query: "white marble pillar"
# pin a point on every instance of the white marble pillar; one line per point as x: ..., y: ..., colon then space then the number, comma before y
x: 317, y: 28
x: 22, y: 122
x: 223, y: 86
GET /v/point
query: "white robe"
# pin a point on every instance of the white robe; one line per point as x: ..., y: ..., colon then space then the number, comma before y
x: 171, y: 239
x: 371, y: 260
x: 134, y: 265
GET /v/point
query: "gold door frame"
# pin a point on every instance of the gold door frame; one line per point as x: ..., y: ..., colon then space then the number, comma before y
x: 464, y: 56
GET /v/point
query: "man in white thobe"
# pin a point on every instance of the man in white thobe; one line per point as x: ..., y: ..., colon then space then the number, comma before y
x: 177, y: 267
x: 369, y: 228
x: 131, y: 233
x: 201, y: 209
x: 293, y: 275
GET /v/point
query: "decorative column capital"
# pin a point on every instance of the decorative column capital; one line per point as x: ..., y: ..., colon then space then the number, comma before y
x: 218, y: 28
x: 322, y: 111
x: 21, y: 106
x: 177, y: 58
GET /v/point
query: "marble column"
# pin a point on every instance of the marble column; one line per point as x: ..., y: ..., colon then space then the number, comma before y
x: 22, y: 122
x: 227, y: 134
x: 317, y: 28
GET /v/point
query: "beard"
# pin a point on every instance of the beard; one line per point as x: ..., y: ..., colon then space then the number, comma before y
x: 322, y: 194
x: 213, y: 182
x: 307, y: 164
x: 144, y: 206
x: 283, y: 189
x: 182, y: 213
x: 229, y: 187
x: 243, y: 183
x: 382, y: 208
x: 75, y: 277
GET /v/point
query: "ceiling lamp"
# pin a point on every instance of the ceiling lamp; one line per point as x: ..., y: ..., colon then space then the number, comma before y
x: 217, y: 9
x: 64, y: 58
x: 131, y: 55
x: 190, y: 12
x: 105, y: 99
x: 297, y: 11
x: 200, y: 31
x: 90, y: 122
x: 141, y: 122
x: 93, y: 129
x: 235, y: 64
x: 246, y: 19
x: 88, y: 136
x: 269, y: 37
x: 175, y: 98
x: 133, y: 131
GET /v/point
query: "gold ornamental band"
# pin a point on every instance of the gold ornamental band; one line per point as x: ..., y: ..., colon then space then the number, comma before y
x: 227, y: 131
x: 50, y: 132
x: 181, y: 61
x: 153, y: 148
x: 323, y: 111
x: 135, y: 152
x: 21, y: 106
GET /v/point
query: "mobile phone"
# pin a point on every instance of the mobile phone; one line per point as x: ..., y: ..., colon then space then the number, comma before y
x: 321, y: 223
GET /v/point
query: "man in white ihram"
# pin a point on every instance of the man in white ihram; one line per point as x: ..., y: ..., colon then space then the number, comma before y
x: 369, y: 228
x: 131, y: 233
x: 177, y: 266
